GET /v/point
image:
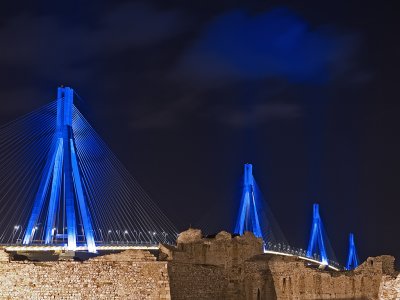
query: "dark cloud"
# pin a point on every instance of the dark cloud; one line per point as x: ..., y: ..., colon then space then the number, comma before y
x: 161, y: 119
x: 220, y: 108
x: 46, y: 49
x: 258, y: 114
x: 275, y: 44
x: 170, y: 116
x: 130, y: 25
x: 19, y: 100
x: 139, y: 24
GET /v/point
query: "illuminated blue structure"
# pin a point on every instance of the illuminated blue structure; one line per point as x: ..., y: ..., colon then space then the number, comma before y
x: 62, y: 186
x: 67, y: 198
x: 352, y: 259
x: 317, y: 237
x: 248, y: 218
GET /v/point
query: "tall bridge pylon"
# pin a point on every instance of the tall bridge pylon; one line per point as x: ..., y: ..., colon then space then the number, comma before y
x: 62, y: 187
x: 317, y: 237
x: 248, y: 217
x: 63, y: 177
x: 352, y: 258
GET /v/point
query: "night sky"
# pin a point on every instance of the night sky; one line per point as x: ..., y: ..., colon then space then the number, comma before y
x: 186, y: 92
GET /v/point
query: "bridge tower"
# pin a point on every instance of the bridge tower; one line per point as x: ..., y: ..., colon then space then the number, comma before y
x: 248, y: 218
x: 61, y: 186
x: 317, y: 237
x: 352, y: 259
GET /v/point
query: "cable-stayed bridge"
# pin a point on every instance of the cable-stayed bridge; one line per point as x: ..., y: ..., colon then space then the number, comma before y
x: 61, y: 188
x: 250, y: 217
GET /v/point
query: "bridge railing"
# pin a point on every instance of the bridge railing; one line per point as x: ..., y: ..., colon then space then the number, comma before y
x: 287, y: 249
x: 98, y: 243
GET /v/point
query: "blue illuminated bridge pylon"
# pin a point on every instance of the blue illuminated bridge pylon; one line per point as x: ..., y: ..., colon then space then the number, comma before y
x: 255, y: 216
x: 352, y: 258
x: 248, y: 217
x: 317, y: 240
x: 62, y: 170
x: 60, y: 185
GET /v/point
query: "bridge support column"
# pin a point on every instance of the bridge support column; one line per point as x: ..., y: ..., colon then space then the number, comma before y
x: 31, y: 228
x: 63, y: 167
x: 55, y: 192
x: 317, y: 238
x: 248, y: 219
x: 352, y: 258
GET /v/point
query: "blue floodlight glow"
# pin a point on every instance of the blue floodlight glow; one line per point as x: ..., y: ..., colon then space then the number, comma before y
x: 317, y: 238
x: 248, y: 218
x: 352, y: 259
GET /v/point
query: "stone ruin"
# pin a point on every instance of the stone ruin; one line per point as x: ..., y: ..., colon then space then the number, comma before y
x: 220, y: 267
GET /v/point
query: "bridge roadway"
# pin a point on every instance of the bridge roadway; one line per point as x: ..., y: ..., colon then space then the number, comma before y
x: 34, y: 248
x: 311, y: 260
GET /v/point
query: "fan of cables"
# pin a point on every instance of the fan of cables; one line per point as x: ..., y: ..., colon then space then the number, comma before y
x: 120, y: 210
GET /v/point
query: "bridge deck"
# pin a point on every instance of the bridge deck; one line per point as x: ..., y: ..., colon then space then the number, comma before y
x: 79, y: 248
x: 303, y: 258
x: 39, y: 248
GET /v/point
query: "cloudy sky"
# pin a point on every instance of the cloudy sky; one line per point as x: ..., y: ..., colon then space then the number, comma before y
x: 186, y: 92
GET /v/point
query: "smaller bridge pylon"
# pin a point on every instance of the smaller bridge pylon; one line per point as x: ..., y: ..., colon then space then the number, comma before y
x: 352, y: 258
x: 248, y: 217
x: 317, y: 237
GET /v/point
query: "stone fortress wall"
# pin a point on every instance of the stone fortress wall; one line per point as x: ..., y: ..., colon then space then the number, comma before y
x: 227, y: 267
x: 132, y: 274
x: 221, y: 267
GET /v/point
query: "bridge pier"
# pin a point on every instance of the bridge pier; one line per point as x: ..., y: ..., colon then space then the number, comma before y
x: 63, y: 168
x: 248, y: 219
x: 317, y: 238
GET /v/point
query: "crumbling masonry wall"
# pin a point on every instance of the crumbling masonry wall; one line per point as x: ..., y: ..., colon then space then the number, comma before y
x: 219, y: 267
x: 390, y: 288
x: 209, y: 268
x: 128, y: 275
x: 232, y: 267
x: 294, y: 280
